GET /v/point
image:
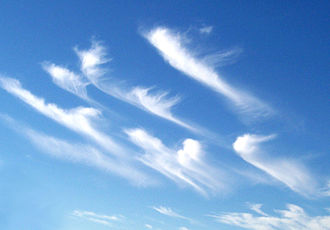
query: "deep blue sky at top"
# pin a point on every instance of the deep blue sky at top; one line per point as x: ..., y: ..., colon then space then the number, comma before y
x: 288, y: 38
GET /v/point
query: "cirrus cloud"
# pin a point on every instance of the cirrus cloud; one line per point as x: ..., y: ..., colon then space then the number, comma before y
x: 171, y: 47
x: 292, y: 218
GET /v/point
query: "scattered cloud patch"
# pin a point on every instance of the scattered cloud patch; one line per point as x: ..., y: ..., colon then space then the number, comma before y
x: 326, y: 190
x: 191, y: 151
x: 292, y: 218
x: 183, y: 228
x: 206, y: 29
x: 289, y: 172
x: 148, y: 226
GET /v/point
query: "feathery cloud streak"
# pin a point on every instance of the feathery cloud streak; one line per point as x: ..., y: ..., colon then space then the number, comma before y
x: 171, y: 48
x: 80, y: 153
x: 157, y: 103
x: 169, y: 212
x: 67, y: 79
x: 79, y: 119
x: 184, y: 166
x: 289, y: 172
x: 325, y: 191
x: 257, y: 209
x: 97, y: 218
x: 293, y: 218
x: 88, y: 155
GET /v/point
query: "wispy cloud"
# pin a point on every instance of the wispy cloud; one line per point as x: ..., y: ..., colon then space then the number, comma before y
x: 92, y: 61
x: 288, y: 171
x: 97, y: 218
x: 89, y: 155
x: 206, y: 29
x: 183, y: 228
x: 184, y: 166
x: 148, y: 226
x: 79, y: 119
x: 80, y: 153
x: 222, y: 58
x: 257, y: 209
x: 67, y: 79
x: 170, y: 45
x: 325, y: 191
x: 293, y: 218
x: 75, y: 83
x: 169, y: 212
x: 157, y: 103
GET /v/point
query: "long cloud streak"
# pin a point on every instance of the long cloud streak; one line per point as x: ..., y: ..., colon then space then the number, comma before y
x: 67, y: 79
x: 171, y: 48
x: 289, y: 172
x: 78, y: 119
x: 80, y: 153
x: 184, y: 166
x: 157, y: 103
x: 97, y: 218
x: 169, y: 212
x: 86, y: 154
x: 293, y: 218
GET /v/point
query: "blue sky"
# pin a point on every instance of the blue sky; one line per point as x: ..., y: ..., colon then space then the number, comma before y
x: 132, y: 115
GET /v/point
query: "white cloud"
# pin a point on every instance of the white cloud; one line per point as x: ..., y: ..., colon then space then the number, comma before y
x: 293, y: 218
x: 79, y: 119
x: 87, y: 154
x: 97, y: 218
x: 157, y: 103
x: 169, y: 212
x: 206, y: 29
x: 326, y: 190
x: 257, y: 209
x: 288, y: 171
x: 91, y: 61
x: 191, y: 150
x: 93, y: 214
x: 222, y: 58
x: 185, y: 166
x: 66, y: 79
x: 171, y: 48
x: 148, y: 226
x: 183, y: 228
x: 81, y: 153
